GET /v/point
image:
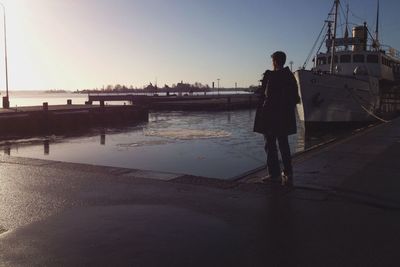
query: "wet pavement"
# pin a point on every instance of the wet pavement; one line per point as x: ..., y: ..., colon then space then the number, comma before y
x: 344, y: 210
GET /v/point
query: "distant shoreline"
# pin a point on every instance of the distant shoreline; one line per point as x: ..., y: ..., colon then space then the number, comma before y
x: 161, y: 90
x: 56, y: 91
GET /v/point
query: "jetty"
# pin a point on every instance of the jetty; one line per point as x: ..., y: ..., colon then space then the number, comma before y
x: 100, y: 110
x: 184, y: 101
x: 51, y: 119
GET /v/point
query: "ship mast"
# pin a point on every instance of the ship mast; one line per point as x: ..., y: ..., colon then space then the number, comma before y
x: 376, y: 42
x: 346, y: 33
x: 337, y: 2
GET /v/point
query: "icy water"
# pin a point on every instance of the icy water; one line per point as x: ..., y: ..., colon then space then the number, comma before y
x: 212, y: 144
x: 36, y: 98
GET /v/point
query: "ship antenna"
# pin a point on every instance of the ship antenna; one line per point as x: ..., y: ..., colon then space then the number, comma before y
x: 337, y: 2
x: 377, y: 28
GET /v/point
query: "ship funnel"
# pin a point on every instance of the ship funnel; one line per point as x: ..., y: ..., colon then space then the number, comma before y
x: 360, y: 36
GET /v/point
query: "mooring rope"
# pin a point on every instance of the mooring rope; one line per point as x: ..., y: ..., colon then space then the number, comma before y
x: 351, y: 91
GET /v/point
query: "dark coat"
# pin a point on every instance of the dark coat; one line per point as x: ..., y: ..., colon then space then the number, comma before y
x: 276, y: 112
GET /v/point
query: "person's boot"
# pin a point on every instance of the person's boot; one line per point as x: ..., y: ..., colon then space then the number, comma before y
x: 287, y: 179
x: 272, y: 178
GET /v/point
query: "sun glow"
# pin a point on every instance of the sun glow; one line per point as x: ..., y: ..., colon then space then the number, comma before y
x: 18, y: 37
x: 39, y: 51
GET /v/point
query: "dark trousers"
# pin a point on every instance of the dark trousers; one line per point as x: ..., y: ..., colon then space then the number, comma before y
x: 271, y: 149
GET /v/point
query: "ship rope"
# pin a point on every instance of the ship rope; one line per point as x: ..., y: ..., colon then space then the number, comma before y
x: 318, y: 38
x: 351, y: 91
x: 313, y: 47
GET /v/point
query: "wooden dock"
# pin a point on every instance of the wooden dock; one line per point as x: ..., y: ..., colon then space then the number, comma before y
x: 61, y: 118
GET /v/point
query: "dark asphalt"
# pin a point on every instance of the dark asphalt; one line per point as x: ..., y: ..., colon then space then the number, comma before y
x: 343, y: 211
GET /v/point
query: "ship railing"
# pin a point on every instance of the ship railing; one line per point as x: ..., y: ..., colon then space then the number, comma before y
x: 390, y: 51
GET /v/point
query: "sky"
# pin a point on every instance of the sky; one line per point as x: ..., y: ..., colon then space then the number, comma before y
x: 82, y: 44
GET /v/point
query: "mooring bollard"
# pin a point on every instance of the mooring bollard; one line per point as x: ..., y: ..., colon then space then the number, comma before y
x: 6, y: 102
x: 102, y: 103
x: 69, y: 101
x: 45, y: 106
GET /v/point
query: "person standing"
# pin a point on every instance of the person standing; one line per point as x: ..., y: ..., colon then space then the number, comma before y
x: 276, y: 118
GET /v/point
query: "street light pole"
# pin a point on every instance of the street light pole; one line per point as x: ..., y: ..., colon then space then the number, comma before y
x: 6, y: 102
x: 218, y: 84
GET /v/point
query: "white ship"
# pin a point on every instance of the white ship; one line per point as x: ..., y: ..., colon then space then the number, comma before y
x: 347, y: 88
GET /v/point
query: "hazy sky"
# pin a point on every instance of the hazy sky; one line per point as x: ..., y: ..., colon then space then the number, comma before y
x: 76, y: 44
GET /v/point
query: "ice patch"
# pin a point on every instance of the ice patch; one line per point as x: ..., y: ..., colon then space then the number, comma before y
x: 2, y: 230
x: 185, y: 134
x: 143, y: 143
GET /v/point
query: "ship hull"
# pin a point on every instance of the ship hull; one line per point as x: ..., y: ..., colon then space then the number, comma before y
x: 329, y: 98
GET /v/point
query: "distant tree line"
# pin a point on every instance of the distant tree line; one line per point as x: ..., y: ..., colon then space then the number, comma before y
x: 55, y: 91
x: 179, y: 87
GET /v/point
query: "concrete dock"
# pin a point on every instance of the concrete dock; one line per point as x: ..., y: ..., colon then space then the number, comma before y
x: 344, y: 210
x: 183, y: 102
x: 63, y: 118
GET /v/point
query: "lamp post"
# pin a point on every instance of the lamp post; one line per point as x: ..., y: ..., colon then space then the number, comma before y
x: 6, y: 102
x: 218, y: 84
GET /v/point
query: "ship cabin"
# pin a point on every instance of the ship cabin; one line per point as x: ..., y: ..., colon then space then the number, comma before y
x: 353, y: 56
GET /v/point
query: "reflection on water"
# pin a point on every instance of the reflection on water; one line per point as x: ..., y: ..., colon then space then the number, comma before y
x: 7, y: 150
x: 103, y: 137
x: 46, y: 144
x: 212, y: 144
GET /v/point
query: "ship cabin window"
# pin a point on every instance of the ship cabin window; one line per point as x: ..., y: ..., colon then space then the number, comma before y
x: 372, y: 59
x: 321, y: 60
x: 345, y: 59
x: 335, y: 59
x: 358, y: 58
x: 386, y: 62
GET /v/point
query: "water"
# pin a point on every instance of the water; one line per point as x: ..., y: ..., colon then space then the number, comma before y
x: 36, y: 98
x: 212, y: 144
